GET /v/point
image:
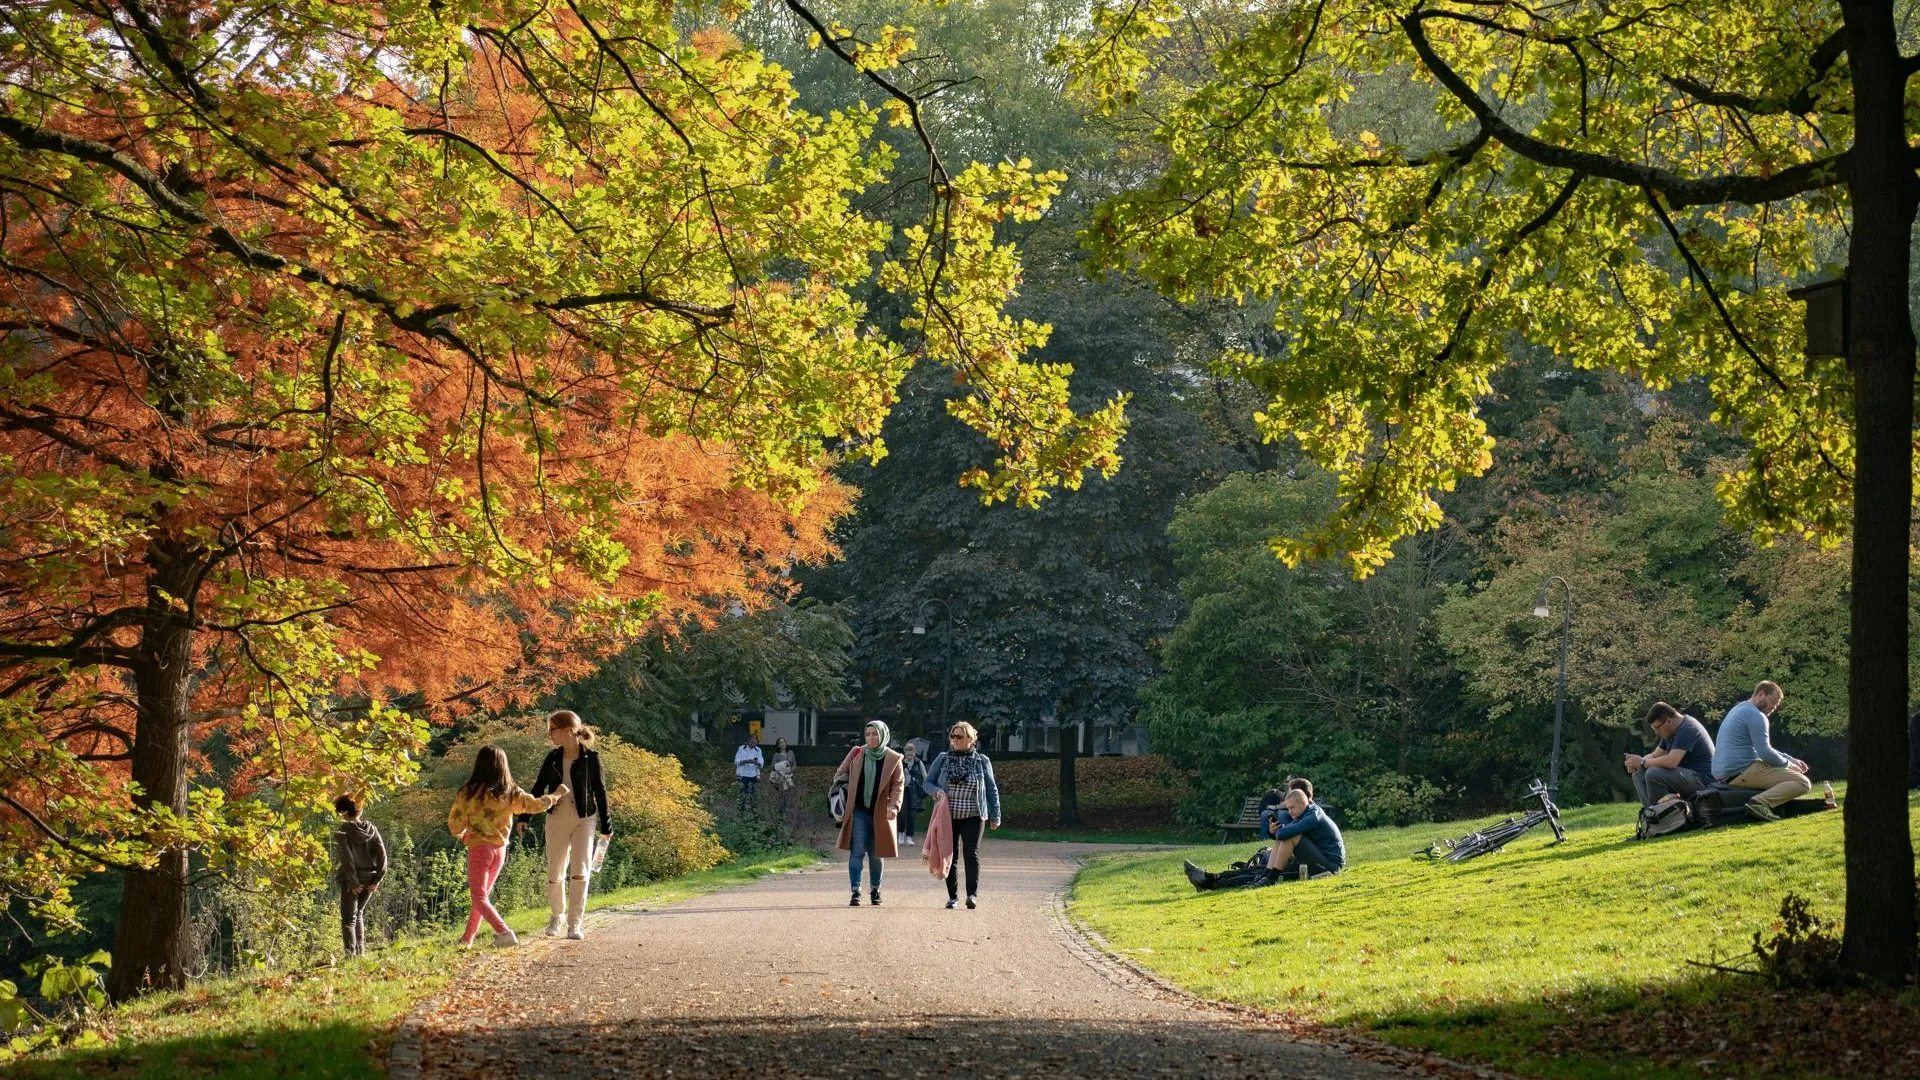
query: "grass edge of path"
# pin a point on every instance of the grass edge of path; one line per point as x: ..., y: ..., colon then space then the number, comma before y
x: 336, y: 1019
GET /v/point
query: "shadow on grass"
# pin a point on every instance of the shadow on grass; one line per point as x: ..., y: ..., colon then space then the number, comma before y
x: 333, y: 1050
x: 1712, y: 1025
x: 879, y: 1043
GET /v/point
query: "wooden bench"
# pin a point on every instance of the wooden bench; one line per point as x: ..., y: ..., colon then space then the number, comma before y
x: 1248, y: 821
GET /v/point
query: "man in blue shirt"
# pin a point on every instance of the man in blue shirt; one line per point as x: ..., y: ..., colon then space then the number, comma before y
x: 1680, y: 764
x: 1308, y: 839
x: 1745, y: 758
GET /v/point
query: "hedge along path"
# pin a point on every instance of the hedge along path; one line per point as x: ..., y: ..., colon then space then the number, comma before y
x: 782, y: 978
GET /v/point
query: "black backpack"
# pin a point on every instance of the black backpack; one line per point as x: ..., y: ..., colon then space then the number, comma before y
x: 1660, y: 819
x: 1720, y: 804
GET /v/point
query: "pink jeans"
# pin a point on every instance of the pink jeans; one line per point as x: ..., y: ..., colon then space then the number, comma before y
x: 483, y: 869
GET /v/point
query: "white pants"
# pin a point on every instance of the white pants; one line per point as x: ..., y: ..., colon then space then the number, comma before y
x: 569, y: 860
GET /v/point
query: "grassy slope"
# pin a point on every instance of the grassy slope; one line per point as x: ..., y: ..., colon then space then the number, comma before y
x: 1481, y: 959
x: 330, y: 1022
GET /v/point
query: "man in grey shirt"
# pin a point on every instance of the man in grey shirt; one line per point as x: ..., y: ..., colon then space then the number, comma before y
x: 1745, y: 757
x: 1682, y: 762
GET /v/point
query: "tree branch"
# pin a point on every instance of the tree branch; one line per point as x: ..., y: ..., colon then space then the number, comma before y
x: 54, y: 835
x: 1696, y: 271
x: 1679, y: 191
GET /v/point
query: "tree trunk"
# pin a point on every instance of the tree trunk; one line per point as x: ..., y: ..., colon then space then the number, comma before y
x: 1069, y: 794
x: 1879, y: 935
x: 152, y: 949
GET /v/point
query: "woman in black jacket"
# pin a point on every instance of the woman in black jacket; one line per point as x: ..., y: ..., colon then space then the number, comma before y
x: 571, y: 843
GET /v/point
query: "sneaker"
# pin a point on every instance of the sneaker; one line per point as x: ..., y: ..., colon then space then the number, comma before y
x: 504, y: 939
x: 467, y: 943
x: 1761, y: 811
x: 556, y: 926
x: 575, y: 933
x: 874, y: 898
x: 1195, y: 875
x: 952, y: 902
x: 855, y: 902
x: 907, y: 840
x: 970, y: 904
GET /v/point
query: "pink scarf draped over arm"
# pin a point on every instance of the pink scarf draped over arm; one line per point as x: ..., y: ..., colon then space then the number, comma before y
x: 937, y: 851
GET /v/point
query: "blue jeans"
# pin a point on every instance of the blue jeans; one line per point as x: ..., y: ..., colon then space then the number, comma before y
x: 862, y: 848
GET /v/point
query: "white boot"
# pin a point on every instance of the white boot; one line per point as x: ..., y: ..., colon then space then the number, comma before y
x: 556, y: 925
x: 576, y: 906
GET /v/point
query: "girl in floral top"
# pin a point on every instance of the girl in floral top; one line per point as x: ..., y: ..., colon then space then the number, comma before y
x: 482, y: 817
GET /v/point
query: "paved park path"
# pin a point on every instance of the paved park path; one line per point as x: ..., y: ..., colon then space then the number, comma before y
x: 781, y: 978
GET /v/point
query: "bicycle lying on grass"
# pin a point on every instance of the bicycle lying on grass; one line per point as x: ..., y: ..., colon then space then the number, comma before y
x: 1495, y: 837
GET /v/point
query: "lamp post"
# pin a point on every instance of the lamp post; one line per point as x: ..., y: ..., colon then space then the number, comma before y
x: 946, y: 670
x: 1541, y: 611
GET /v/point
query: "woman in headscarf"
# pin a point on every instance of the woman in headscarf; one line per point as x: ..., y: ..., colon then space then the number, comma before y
x: 874, y: 790
x: 965, y: 776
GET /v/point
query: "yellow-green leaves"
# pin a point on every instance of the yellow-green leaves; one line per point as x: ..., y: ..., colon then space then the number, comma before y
x: 1416, y: 191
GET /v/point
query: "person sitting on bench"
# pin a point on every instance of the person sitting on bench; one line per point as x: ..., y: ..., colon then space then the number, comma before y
x: 1682, y: 762
x: 1309, y: 839
x: 1745, y: 757
x: 1273, y: 805
x: 1272, y: 808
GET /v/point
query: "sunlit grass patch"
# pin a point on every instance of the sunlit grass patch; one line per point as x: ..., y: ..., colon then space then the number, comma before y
x: 1482, y: 958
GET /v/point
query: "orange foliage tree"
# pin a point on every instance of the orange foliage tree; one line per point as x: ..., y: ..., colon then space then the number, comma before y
x: 365, y: 360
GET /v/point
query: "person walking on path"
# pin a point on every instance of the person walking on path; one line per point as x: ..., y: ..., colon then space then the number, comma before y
x: 965, y: 776
x: 482, y: 818
x: 747, y: 763
x: 572, y: 853
x: 784, y: 769
x: 360, y: 861
x: 916, y: 790
x: 875, y: 782
x: 1744, y: 756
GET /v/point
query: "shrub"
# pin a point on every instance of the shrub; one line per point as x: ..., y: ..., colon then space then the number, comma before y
x: 1392, y: 799
x: 660, y: 828
x: 1803, y: 951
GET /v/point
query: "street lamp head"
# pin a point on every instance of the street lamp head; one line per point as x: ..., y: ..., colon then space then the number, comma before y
x: 1540, y: 602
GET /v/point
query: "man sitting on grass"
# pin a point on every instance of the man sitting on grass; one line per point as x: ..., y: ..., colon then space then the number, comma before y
x: 1681, y: 764
x: 1745, y: 758
x: 1273, y: 805
x: 1309, y: 839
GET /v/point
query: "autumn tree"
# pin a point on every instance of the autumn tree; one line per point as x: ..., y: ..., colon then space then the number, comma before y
x: 1417, y: 187
x: 407, y: 353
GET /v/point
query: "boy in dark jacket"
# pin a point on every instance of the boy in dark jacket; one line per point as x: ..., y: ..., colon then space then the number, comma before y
x: 360, y: 861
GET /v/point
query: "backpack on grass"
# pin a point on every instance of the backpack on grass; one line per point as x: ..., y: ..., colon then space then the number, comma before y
x: 1660, y: 819
x: 1720, y: 804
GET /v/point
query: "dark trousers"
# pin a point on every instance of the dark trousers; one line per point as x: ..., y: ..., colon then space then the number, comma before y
x: 747, y: 785
x: 909, y: 810
x: 1305, y: 853
x: 353, y: 926
x: 966, y: 848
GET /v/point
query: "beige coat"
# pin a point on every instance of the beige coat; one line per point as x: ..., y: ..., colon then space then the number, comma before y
x: 886, y: 801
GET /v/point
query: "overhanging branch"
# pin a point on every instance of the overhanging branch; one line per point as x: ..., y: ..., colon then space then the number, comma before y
x: 1678, y: 191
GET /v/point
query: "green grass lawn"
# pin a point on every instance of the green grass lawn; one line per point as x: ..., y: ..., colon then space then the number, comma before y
x: 329, y: 1022
x: 1509, y: 958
